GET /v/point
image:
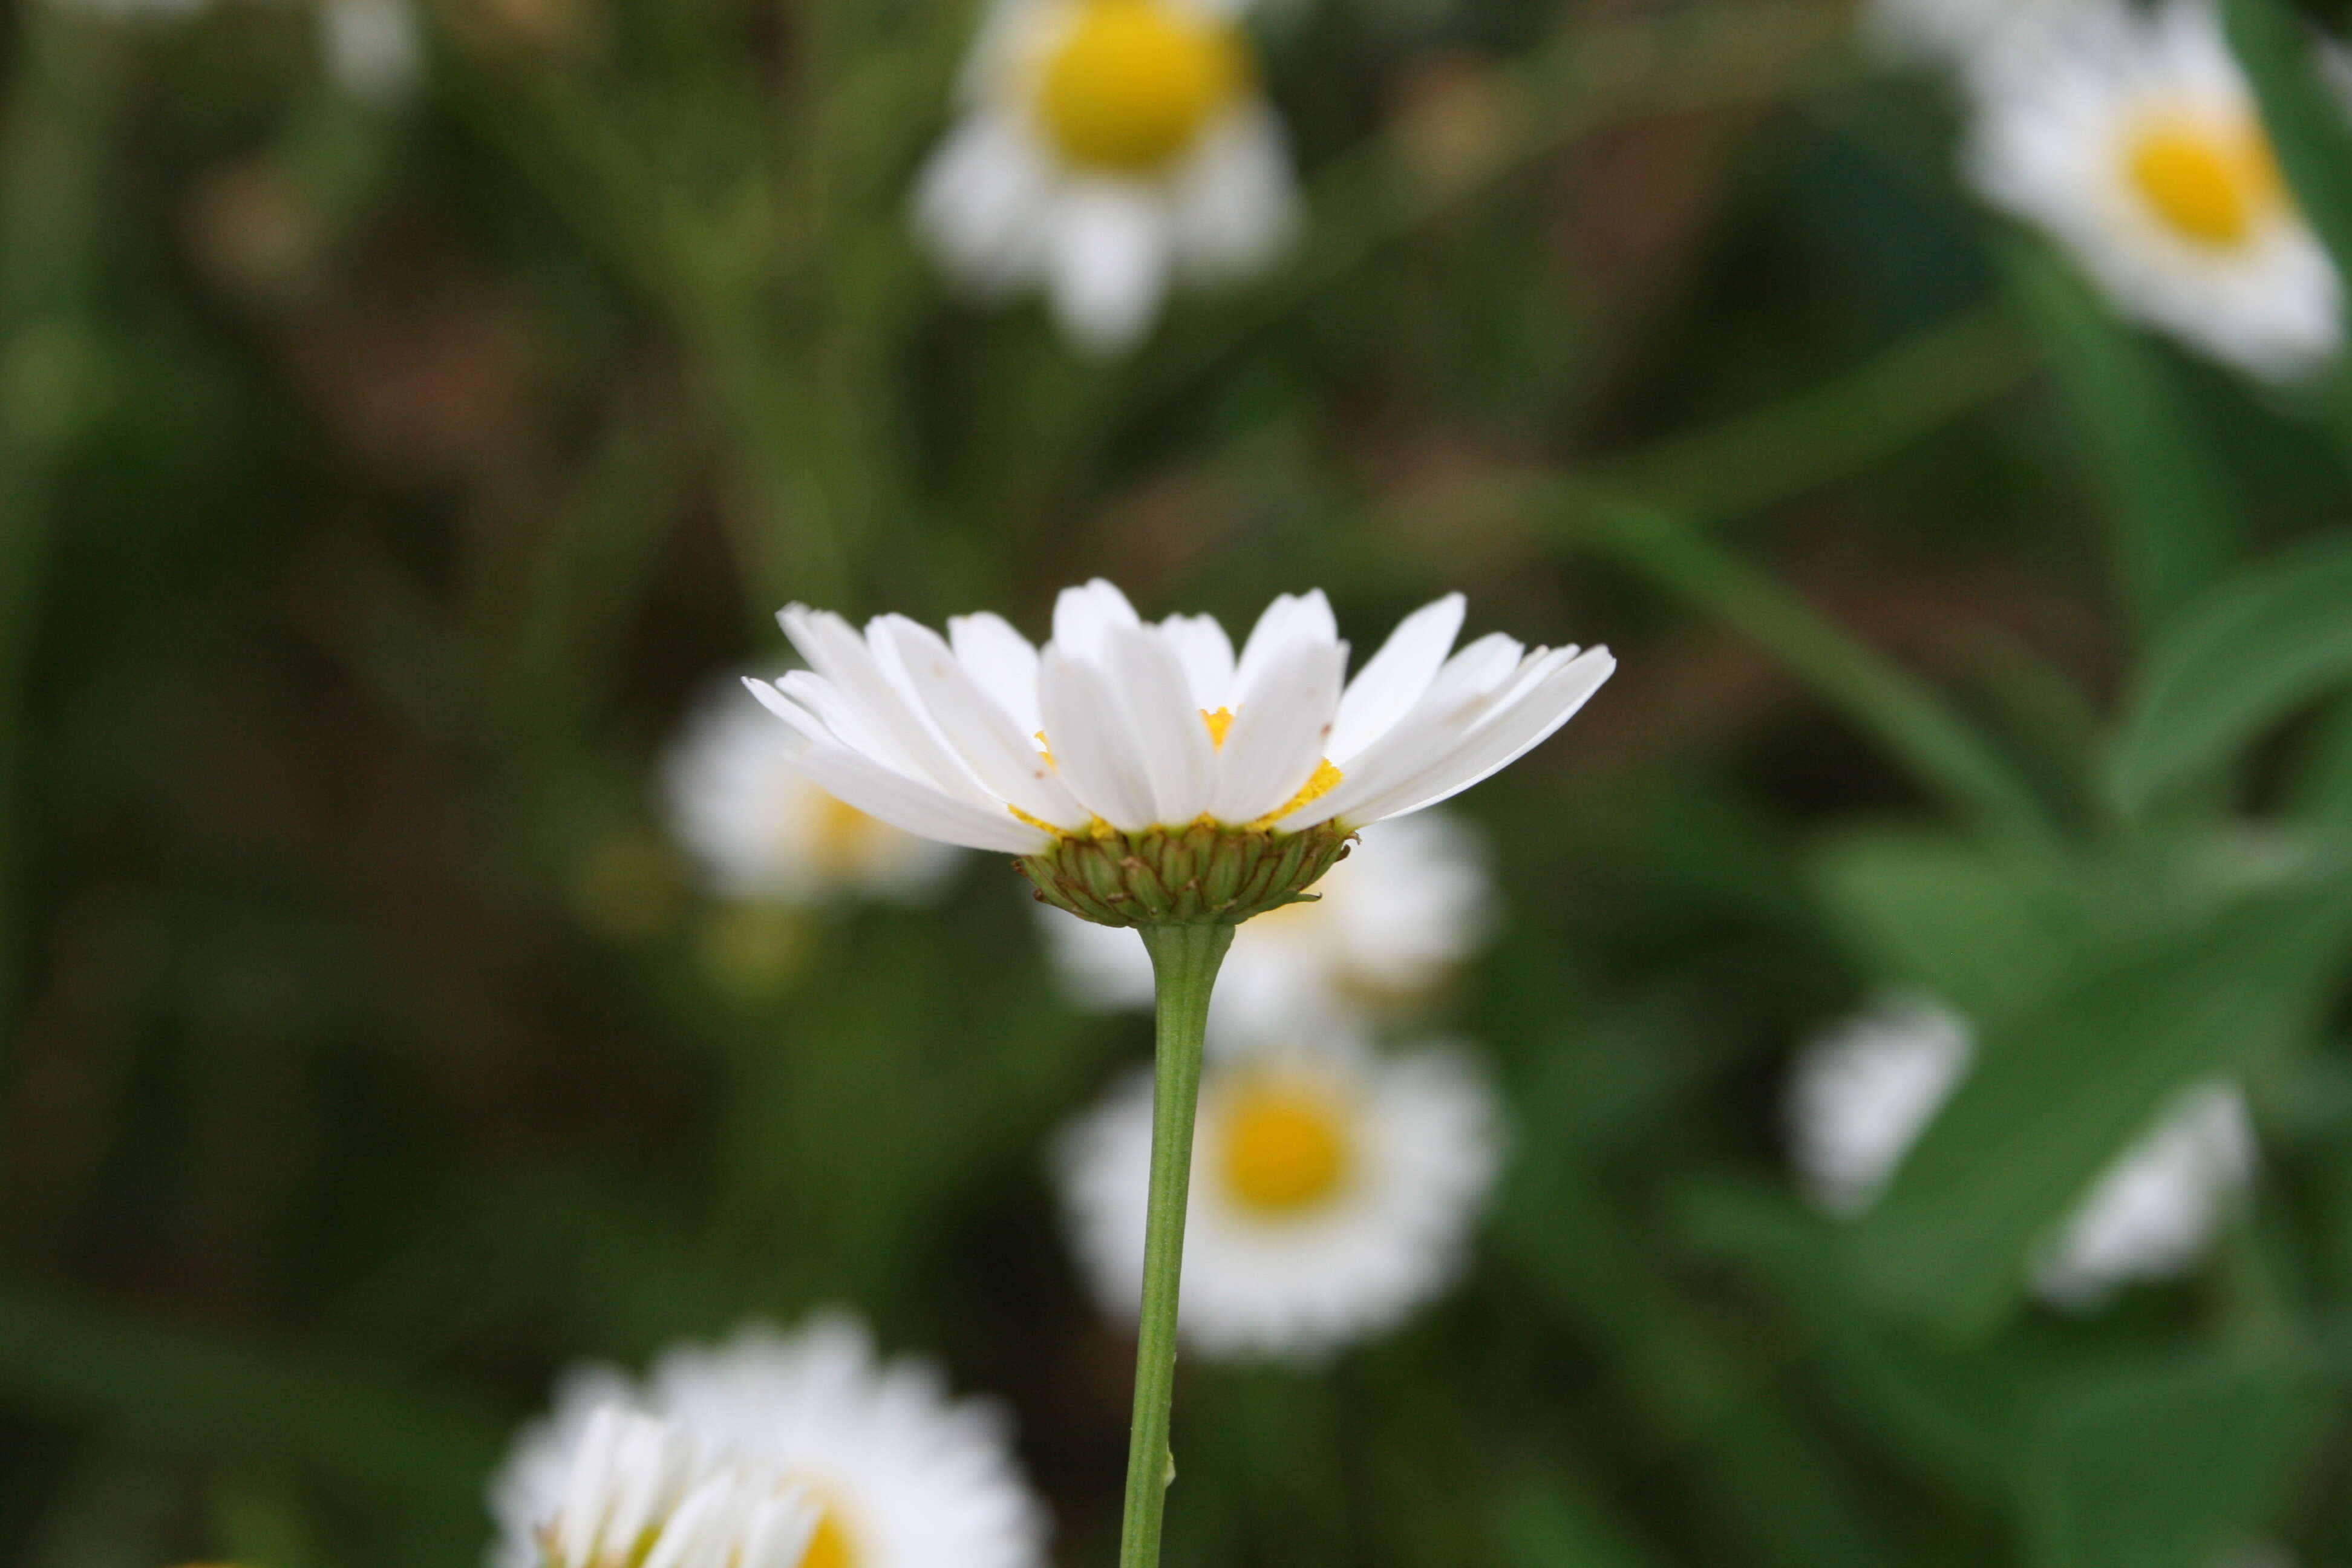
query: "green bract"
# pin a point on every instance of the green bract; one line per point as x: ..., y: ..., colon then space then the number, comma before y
x: 1207, y: 874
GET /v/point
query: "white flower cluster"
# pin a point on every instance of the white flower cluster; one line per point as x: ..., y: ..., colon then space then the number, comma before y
x: 1864, y: 1092
x: 2128, y: 134
x: 769, y: 1450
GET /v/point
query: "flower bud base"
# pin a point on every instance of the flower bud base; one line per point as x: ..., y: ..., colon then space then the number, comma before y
x: 1207, y: 874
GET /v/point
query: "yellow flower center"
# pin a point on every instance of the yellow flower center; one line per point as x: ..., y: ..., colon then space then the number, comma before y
x: 1284, y: 1147
x: 1133, y: 81
x: 842, y: 838
x: 2211, y: 183
x: 830, y: 1547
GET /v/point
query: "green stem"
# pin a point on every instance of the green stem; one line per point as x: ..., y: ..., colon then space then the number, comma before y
x: 1184, y: 960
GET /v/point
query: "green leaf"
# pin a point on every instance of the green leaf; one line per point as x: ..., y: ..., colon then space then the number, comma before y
x: 2058, y: 1091
x: 2173, y: 522
x: 2270, y: 639
x: 2306, y: 121
x: 2162, y: 1467
x: 1935, y: 911
x: 1538, y: 1519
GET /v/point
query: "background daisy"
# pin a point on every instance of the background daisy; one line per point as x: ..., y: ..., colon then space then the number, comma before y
x: 1107, y: 149
x: 1333, y: 1193
x: 903, y: 1475
x: 2133, y: 141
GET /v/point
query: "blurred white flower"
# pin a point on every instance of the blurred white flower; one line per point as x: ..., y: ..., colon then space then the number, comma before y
x: 1106, y: 149
x: 1389, y: 926
x: 2156, y: 1210
x: 2133, y: 140
x: 1333, y: 1192
x: 373, y: 48
x: 1124, y: 727
x: 616, y: 1489
x: 900, y: 1475
x: 762, y: 831
x: 1862, y: 1095
x: 1864, y: 1092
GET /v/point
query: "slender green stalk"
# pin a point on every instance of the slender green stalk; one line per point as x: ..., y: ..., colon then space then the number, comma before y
x: 1184, y: 960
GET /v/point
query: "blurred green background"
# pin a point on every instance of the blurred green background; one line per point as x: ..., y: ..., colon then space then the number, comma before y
x: 381, y: 483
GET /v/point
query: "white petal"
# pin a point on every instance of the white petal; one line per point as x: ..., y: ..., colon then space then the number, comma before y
x: 1236, y: 202
x: 857, y: 780
x: 1003, y: 661
x: 1306, y: 618
x: 1463, y: 692
x: 1084, y: 619
x: 1006, y: 760
x: 780, y: 1529
x: 1107, y: 264
x: 836, y: 652
x: 1175, y: 743
x: 1525, y: 723
x: 1208, y: 656
x: 1279, y: 731
x: 1100, y: 759
x: 979, y: 203
x: 1394, y: 679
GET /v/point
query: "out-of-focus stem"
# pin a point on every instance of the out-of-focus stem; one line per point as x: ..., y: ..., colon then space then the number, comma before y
x: 1184, y: 960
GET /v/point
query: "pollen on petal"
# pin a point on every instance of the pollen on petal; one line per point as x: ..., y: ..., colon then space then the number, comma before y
x: 1322, y: 782
x: 1218, y: 722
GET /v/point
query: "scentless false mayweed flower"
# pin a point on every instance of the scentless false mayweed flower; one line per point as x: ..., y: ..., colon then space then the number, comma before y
x: 892, y: 1472
x: 617, y: 1488
x: 1333, y: 1190
x: 763, y: 832
x: 1147, y: 776
x: 1107, y: 148
x: 1863, y: 1093
x: 1144, y: 774
x: 2133, y: 139
x: 1386, y: 929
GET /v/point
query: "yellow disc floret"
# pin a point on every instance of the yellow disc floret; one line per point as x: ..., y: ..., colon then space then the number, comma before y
x: 1133, y: 81
x: 1284, y: 1147
x: 829, y: 1547
x: 2211, y: 184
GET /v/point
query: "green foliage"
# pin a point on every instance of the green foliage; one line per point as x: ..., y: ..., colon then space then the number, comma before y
x: 379, y: 485
x: 2253, y: 649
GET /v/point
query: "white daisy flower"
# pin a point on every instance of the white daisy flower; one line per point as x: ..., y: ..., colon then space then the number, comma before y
x: 1863, y: 1093
x: 1106, y: 149
x: 2133, y: 140
x: 1387, y: 928
x: 1333, y: 1193
x: 899, y: 1475
x: 762, y: 831
x: 612, y: 1487
x: 1144, y: 772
